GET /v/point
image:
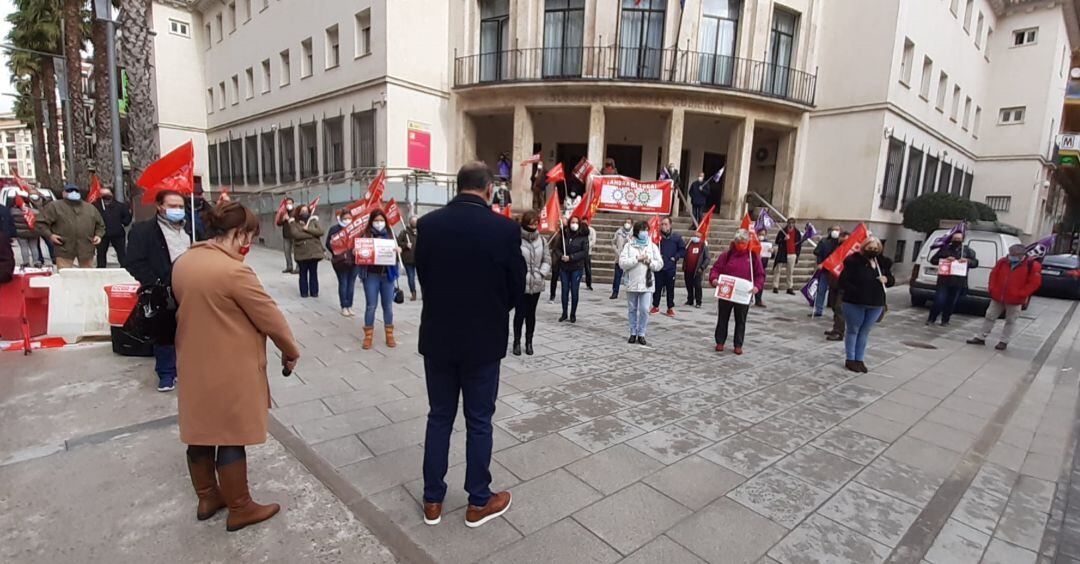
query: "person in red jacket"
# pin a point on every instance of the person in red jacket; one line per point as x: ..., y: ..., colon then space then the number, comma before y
x: 1012, y: 282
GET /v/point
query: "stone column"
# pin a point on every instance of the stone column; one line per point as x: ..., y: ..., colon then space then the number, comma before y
x: 597, y: 122
x: 785, y: 169
x: 673, y: 138
x: 466, y: 141
x: 521, y: 188
x: 737, y: 171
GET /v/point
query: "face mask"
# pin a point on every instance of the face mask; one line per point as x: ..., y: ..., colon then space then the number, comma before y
x: 1015, y: 260
x: 695, y: 239
x: 378, y: 225
x: 742, y: 246
x: 956, y: 243
x: 871, y: 254
x: 529, y: 228
x: 574, y: 227
x: 834, y: 234
x: 245, y: 249
x: 342, y: 221
x: 289, y: 207
x: 643, y: 237
x: 35, y: 197
x: 73, y: 196
x: 628, y: 226
x: 304, y: 216
x: 175, y: 215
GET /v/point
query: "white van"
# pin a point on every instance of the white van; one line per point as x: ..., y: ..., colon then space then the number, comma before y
x: 989, y: 247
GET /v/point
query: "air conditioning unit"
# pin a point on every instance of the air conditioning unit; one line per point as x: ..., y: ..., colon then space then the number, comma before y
x: 764, y: 155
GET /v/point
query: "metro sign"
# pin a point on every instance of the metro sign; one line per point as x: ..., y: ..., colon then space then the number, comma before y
x: 1068, y: 142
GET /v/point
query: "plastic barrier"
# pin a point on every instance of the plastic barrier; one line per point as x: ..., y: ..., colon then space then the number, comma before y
x: 13, y: 296
x: 122, y: 299
x: 77, y: 303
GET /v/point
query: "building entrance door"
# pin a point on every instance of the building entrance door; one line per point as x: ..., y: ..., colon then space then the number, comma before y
x: 627, y: 159
x: 711, y: 163
x: 570, y: 154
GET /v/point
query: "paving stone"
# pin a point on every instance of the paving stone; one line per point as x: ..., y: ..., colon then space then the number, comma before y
x: 601, y: 433
x: 713, y: 424
x: 669, y: 444
x: 565, y: 541
x: 652, y: 415
x: 395, y: 435
x: 980, y: 509
x: 632, y: 517
x: 811, y: 417
x: 879, y: 516
x: 819, y: 539
x: 943, y: 436
x: 851, y: 445
x: 342, y: 451
x: 535, y: 505
x: 528, y: 426
x: 725, y: 531
x: 933, y: 459
x: 875, y: 426
x: 754, y: 407
x: 897, y: 412
x: 590, y: 407
x: 1025, y: 516
x: 662, y: 549
x: 781, y: 434
x: 612, y: 469
x: 1001, y: 552
x: 405, y: 409
x: 534, y: 399
x: 694, y: 401
x: 742, y: 454
x: 392, y: 469
x: 636, y: 393
x: 694, y: 481
x: 957, y: 543
x: 587, y: 385
x: 290, y: 415
x: 781, y: 497
x: 819, y: 468
x: 533, y: 379
x: 370, y: 395
x: 537, y: 457
x: 308, y: 392
x: 456, y: 496
x: 326, y: 428
x: 452, y: 541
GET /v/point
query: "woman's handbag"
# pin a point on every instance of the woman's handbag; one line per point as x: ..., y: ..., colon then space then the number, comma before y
x: 154, y: 316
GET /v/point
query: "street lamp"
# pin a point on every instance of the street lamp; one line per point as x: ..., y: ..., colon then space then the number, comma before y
x: 103, y: 13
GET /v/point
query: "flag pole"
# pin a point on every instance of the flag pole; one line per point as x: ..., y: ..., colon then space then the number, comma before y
x: 192, y: 214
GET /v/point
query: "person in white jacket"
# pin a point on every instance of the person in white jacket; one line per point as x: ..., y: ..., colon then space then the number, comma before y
x: 640, y: 259
x: 537, y: 267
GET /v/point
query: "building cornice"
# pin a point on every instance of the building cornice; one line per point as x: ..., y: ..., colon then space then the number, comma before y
x: 1071, y: 8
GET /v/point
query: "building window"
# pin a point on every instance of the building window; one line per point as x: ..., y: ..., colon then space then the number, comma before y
x: 967, y: 14
x: 363, y: 139
x: 1011, y: 115
x: 967, y: 113
x: 942, y: 84
x: 307, y: 58
x: 929, y: 174
x: 209, y: 100
x: 979, y: 30
x: 251, y: 156
x: 914, y: 174
x: 247, y: 10
x: 266, y: 76
x: 220, y: 26
x: 333, y: 145
x: 955, y: 112
x: 209, y: 35
x: 266, y: 145
x: 954, y: 7
x: 999, y: 203
x: 177, y: 27
x: 309, y: 151
x: 236, y: 162
x: 265, y: 5
x: 362, y: 27
x: 957, y: 181
x: 927, y: 74
x: 781, y: 52
x: 1025, y: 36
x: 232, y: 17
x: 333, y: 47
x: 287, y: 144
x: 641, y: 38
x: 494, y: 39
x: 989, y: 35
x: 249, y: 82
x: 212, y: 156
x: 890, y: 190
x: 718, y: 44
x: 943, y: 178
x: 235, y: 84
x: 221, y: 96
x: 906, y: 60
x: 975, y: 124
x: 901, y: 251
x: 969, y: 179
x: 915, y: 251
x: 286, y: 67
x: 564, y: 32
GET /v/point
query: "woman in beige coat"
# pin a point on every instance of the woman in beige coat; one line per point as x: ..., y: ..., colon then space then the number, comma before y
x: 223, y: 321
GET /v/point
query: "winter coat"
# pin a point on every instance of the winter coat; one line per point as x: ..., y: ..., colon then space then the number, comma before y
x: 284, y: 224
x: 825, y: 248
x: 592, y: 240
x: 344, y: 262
x: 224, y: 313
x: 116, y: 215
x: 1015, y: 286
x: 7, y: 258
x: 780, y: 248
x: 148, y: 258
x: 305, y: 236
x: 7, y: 222
x: 697, y: 258
x: 672, y: 248
x: 859, y: 280
x: 699, y: 193
x: 537, y: 261
x: 503, y: 198
x: 407, y: 241
x: 636, y: 275
x: 619, y: 240
x: 76, y: 222
x: 740, y: 264
x: 577, y: 248
x: 18, y: 219
x: 949, y: 251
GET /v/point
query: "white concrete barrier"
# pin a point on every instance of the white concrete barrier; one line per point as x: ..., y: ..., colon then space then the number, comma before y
x: 78, y: 306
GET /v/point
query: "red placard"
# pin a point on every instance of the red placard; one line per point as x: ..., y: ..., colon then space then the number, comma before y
x: 419, y: 154
x: 630, y: 195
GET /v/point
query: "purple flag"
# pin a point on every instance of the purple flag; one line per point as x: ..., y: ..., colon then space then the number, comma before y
x: 810, y: 290
x: 664, y: 174
x: 809, y: 232
x: 764, y: 221
x: 1038, y: 249
x: 719, y: 174
x: 960, y: 228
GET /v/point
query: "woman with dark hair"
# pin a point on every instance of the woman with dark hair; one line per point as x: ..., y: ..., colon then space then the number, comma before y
x: 537, y: 267
x: 640, y: 260
x: 864, y: 279
x: 306, y: 232
x: 378, y: 284
x: 224, y: 313
x: 344, y: 265
x: 572, y: 249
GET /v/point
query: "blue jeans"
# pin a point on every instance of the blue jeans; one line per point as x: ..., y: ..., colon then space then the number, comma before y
x: 309, y: 278
x: 378, y: 288
x: 945, y: 300
x: 478, y: 385
x: 571, y: 284
x: 860, y: 320
x: 165, y: 362
x: 410, y: 271
x: 346, y: 286
x: 822, y: 295
x: 637, y: 311
x: 617, y: 282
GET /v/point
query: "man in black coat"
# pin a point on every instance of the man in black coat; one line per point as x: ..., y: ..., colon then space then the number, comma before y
x: 117, y: 217
x: 470, y: 266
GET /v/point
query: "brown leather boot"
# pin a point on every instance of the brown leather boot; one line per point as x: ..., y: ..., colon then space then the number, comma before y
x: 206, y: 487
x: 369, y: 335
x: 390, y: 342
x: 412, y: 297
x: 243, y: 511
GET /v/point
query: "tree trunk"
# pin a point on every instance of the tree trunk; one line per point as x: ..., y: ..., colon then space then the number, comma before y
x: 52, y: 139
x: 41, y: 163
x: 73, y: 44
x: 103, y: 157
x: 135, y: 56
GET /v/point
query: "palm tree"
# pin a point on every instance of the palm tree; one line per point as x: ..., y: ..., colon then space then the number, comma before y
x: 74, y: 39
x: 36, y: 26
x: 24, y: 72
x: 103, y: 154
x: 134, y: 55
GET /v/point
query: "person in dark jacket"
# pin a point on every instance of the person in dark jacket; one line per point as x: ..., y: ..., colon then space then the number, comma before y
x: 571, y: 259
x: 306, y: 231
x: 344, y: 265
x: 673, y: 249
x: 786, y: 250
x: 117, y: 217
x: 13, y: 221
x: 864, y: 279
x: 950, y: 288
x: 153, y: 246
x: 470, y: 267
x: 7, y: 257
x: 407, y: 241
x: 7, y: 222
x: 697, y: 260
x: 699, y: 196
x: 825, y: 247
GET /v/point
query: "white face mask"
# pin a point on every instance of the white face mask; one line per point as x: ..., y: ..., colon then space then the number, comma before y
x: 574, y: 227
x: 378, y: 225
x: 290, y: 207
x: 834, y: 234
x: 628, y: 226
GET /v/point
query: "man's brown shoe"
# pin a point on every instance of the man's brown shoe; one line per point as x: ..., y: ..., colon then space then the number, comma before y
x: 496, y: 506
x: 432, y: 513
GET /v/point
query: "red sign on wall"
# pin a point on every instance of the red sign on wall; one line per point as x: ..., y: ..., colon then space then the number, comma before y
x: 419, y: 152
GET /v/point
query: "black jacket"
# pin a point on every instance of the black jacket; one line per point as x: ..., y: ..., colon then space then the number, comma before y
x: 148, y: 259
x: 469, y: 263
x: 948, y: 251
x: 7, y: 221
x: 7, y: 258
x: 117, y: 216
x: 780, y: 252
x: 577, y: 248
x: 825, y: 248
x: 859, y: 280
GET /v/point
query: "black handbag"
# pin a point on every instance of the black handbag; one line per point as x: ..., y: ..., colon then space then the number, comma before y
x: 154, y: 316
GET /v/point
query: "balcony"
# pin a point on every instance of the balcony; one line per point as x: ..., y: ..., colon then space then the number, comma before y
x: 620, y: 64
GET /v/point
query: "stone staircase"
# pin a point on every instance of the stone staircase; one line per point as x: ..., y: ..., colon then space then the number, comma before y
x: 720, y: 233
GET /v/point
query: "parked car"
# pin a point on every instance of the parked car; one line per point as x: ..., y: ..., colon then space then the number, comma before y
x: 1061, y: 277
x: 989, y: 246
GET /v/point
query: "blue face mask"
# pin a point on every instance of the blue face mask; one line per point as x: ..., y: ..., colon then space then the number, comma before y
x: 1015, y: 260
x: 643, y: 237
x: 342, y: 221
x: 175, y: 215
x: 73, y: 196
x: 695, y: 239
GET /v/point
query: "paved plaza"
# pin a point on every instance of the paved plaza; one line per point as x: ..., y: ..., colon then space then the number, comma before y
x: 669, y: 453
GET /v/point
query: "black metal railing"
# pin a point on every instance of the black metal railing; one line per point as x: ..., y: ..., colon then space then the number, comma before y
x: 674, y: 66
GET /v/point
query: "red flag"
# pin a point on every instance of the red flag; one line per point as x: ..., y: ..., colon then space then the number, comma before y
x: 506, y: 211
x: 594, y: 204
x: 654, y: 229
x: 375, y: 190
x: 224, y: 196
x: 393, y: 213
x: 550, y: 215
x: 835, y: 262
x: 282, y: 211
x: 582, y: 209
x: 748, y: 225
x: 556, y: 174
x: 703, y: 228
x: 28, y: 213
x: 532, y: 160
x: 583, y: 169
x: 22, y: 183
x: 174, y: 171
x: 95, y: 189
